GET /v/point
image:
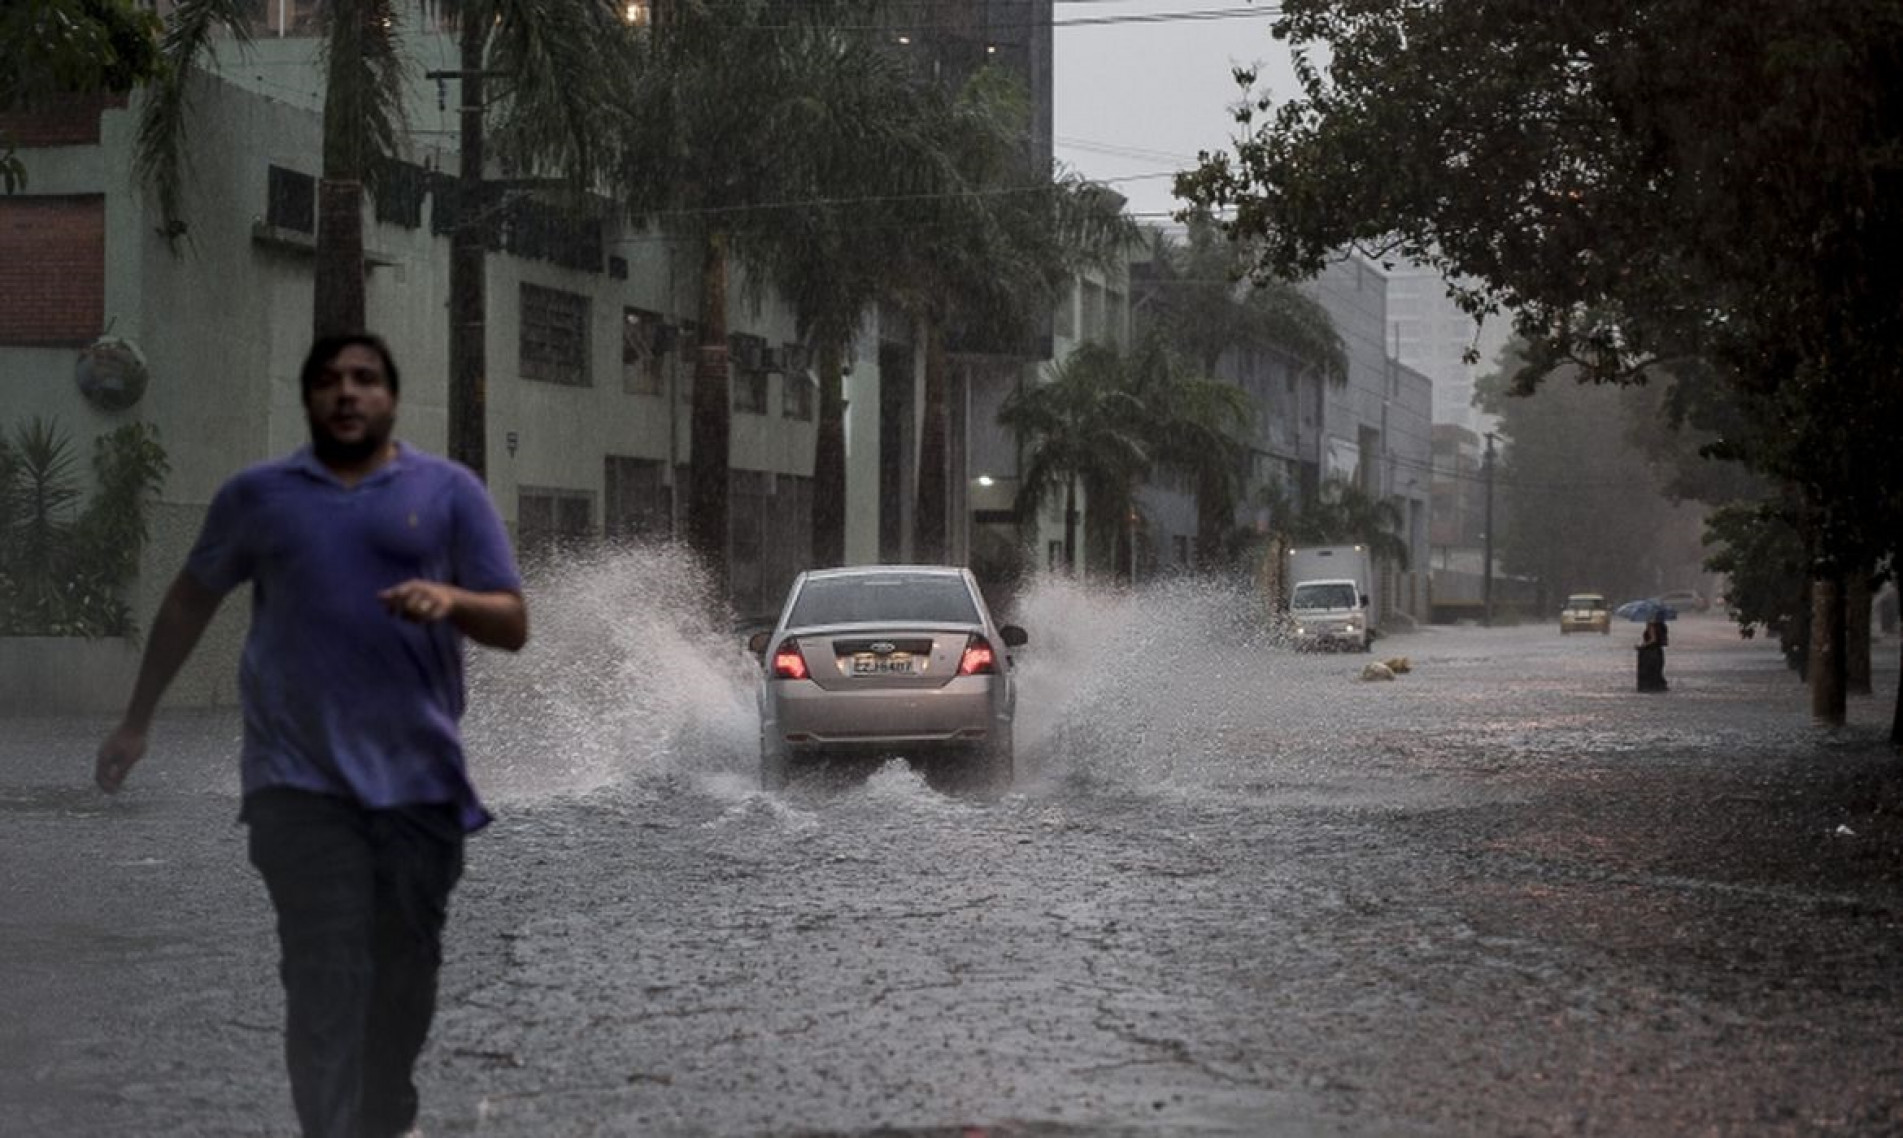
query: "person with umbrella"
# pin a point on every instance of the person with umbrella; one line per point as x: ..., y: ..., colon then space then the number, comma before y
x: 1652, y: 654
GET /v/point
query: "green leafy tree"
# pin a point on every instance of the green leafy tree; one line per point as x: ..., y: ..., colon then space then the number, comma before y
x: 1582, y: 507
x: 1637, y: 183
x: 1762, y: 557
x: 51, y: 49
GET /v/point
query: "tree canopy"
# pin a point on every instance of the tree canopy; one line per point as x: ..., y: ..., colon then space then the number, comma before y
x: 55, y: 48
x: 1638, y: 183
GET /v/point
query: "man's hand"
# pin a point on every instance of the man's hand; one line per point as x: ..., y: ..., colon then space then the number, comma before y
x: 421, y: 601
x: 497, y: 620
x: 124, y: 747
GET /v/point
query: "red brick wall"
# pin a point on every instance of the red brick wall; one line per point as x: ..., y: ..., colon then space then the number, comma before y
x: 73, y: 120
x: 52, y: 269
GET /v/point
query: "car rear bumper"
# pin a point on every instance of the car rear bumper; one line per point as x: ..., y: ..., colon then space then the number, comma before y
x: 966, y: 711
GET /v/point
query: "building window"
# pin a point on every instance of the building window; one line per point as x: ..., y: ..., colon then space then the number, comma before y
x: 554, y: 336
x: 290, y: 200
x: 746, y: 538
x: 52, y: 272
x: 748, y: 354
x: 1093, y: 325
x: 770, y: 531
x: 796, y: 396
x: 546, y: 520
x: 636, y: 502
x: 749, y: 392
x: 645, y: 342
x: 1064, y: 318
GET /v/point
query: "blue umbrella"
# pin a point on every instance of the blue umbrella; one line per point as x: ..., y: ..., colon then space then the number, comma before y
x: 1646, y: 610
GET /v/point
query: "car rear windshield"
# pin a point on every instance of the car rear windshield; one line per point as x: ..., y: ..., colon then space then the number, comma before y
x: 883, y: 598
x: 1337, y: 596
x: 1585, y: 602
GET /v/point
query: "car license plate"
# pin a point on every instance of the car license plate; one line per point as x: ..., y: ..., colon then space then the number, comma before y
x: 867, y: 664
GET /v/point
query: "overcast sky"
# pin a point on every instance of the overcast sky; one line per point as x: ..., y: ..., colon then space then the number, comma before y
x: 1135, y: 100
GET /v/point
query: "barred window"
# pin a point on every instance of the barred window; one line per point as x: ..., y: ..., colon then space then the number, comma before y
x: 1064, y: 316
x: 796, y: 396
x: 550, y: 519
x: 290, y: 200
x: 749, y: 392
x: 636, y: 502
x: 644, y: 345
x: 554, y: 341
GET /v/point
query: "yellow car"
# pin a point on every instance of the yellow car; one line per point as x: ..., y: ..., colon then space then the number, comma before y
x: 1586, y: 612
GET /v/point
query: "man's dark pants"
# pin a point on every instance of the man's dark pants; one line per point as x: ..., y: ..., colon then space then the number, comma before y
x: 361, y: 896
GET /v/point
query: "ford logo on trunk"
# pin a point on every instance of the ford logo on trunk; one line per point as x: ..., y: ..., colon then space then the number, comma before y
x: 883, y: 647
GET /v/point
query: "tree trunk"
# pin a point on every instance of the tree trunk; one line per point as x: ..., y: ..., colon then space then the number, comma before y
x: 338, y: 304
x: 1210, y: 523
x: 1070, y: 526
x: 468, y: 300
x: 930, y: 537
x: 1896, y: 714
x: 829, y: 462
x: 712, y: 418
x: 1827, y: 701
x: 1857, y: 607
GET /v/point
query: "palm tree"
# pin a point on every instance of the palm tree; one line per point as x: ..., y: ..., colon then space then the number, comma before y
x: 1001, y: 242
x: 1344, y: 512
x: 872, y: 170
x: 1196, y: 426
x: 1029, y: 246
x: 1082, y: 429
x: 1205, y: 306
x: 725, y: 127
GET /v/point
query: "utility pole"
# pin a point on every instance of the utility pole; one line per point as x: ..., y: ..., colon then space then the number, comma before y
x: 468, y: 253
x: 1486, y: 554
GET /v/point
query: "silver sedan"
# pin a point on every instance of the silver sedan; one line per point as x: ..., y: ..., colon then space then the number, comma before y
x: 901, y: 660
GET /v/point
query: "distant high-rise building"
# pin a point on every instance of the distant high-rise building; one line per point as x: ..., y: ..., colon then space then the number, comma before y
x: 1428, y: 332
x: 957, y: 37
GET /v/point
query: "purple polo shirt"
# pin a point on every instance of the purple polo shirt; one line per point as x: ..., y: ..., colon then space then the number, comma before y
x: 340, y: 696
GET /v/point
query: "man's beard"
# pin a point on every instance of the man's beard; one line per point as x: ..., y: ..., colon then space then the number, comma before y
x: 333, y: 451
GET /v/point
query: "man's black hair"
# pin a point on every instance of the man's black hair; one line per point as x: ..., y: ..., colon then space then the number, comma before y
x: 327, y: 349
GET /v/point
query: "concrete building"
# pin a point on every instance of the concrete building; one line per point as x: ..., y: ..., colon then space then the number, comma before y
x: 1371, y: 431
x: 1430, y: 334
x: 1375, y: 429
x: 588, y: 326
x: 587, y: 409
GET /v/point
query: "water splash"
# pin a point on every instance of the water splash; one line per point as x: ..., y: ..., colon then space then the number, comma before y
x: 1139, y: 687
x: 626, y: 677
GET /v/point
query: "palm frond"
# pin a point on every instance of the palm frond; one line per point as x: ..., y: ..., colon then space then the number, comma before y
x: 189, y: 36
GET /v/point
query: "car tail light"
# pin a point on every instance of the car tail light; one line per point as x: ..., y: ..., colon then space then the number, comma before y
x: 788, y: 663
x: 979, y: 659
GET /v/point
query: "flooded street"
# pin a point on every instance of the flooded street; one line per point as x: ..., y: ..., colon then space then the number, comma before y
x: 1235, y: 891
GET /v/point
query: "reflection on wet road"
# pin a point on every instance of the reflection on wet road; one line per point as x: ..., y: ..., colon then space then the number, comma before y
x: 1236, y: 891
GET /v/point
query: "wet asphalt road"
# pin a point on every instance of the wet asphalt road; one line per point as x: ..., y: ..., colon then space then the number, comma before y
x: 1236, y: 891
